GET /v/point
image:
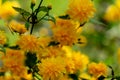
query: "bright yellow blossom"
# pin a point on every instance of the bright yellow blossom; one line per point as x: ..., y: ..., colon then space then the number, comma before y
x: 3, y: 38
x: 84, y: 76
x: 81, y: 10
x: 112, y: 13
x: 97, y: 69
x: 29, y: 43
x: 52, y: 68
x: 117, y: 3
x: 6, y: 9
x: 80, y: 60
x: 17, y: 27
x: 75, y: 60
x: 64, y: 32
x: 70, y: 66
x: 0, y: 2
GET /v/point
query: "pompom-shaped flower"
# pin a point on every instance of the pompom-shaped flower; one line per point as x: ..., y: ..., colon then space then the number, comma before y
x: 80, y: 60
x: 81, y: 10
x: 14, y: 61
x: 97, y: 69
x: 6, y: 9
x: 29, y: 43
x: 17, y: 27
x: 52, y: 68
x: 75, y: 60
x: 64, y: 32
x: 3, y: 38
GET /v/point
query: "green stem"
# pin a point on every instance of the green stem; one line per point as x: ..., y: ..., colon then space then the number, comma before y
x: 32, y: 28
x: 33, y: 21
x: 37, y: 76
x: 39, y: 7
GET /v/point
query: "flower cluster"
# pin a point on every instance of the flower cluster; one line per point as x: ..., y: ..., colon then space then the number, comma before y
x: 51, y: 56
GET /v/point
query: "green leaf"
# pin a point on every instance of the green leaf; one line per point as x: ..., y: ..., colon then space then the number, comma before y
x: 53, y: 43
x: 2, y: 73
x: 22, y: 11
x: 117, y: 78
x: 97, y: 22
x: 31, y: 59
x: 42, y: 8
x: 2, y: 49
x: 73, y: 76
x: 65, y: 16
x: 50, y: 18
x: 101, y: 78
x: 112, y: 71
x: 27, y: 25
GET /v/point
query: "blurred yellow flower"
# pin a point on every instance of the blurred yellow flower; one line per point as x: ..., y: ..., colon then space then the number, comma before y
x: 6, y: 9
x: 64, y: 31
x: 29, y: 43
x: 117, y: 3
x: 33, y: 1
x: 17, y: 27
x: 112, y: 13
x: 13, y: 61
x: 0, y: 2
x: 118, y: 55
x: 3, y: 38
x: 97, y: 69
x: 81, y: 10
x: 52, y: 68
x: 82, y: 40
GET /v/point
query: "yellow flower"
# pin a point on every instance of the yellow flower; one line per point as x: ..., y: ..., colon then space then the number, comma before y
x: 52, y: 68
x: 82, y: 40
x: 118, y: 55
x: 29, y: 43
x: 0, y: 2
x: 17, y: 27
x: 80, y: 60
x: 70, y: 66
x: 53, y: 51
x: 64, y: 31
x: 112, y: 13
x: 84, y: 76
x: 13, y: 61
x: 81, y: 10
x: 44, y: 41
x: 97, y: 69
x: 75, y: 60
x: 6, y: 9
x: 117, y: 3
x: 3, y: 38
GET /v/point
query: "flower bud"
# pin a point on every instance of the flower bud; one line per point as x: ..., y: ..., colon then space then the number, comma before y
x: 33, y: 1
